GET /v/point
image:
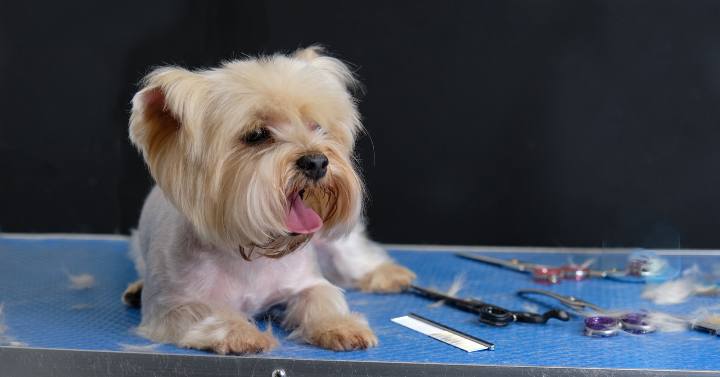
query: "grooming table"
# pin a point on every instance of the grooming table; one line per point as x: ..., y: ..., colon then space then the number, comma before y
x: 63, y: 331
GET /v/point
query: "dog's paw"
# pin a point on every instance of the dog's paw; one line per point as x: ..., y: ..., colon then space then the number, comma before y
x: 345, y: 333
x: 387, y: 278
x: 228, y: 337
x: 241, y: 341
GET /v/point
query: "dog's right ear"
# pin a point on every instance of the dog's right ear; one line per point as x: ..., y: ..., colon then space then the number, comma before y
x: 169, y: 109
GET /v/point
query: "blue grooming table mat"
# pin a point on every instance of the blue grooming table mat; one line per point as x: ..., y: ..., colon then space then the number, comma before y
x: 42, y: 312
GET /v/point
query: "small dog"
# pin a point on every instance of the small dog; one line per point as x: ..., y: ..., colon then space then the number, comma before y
x: 257, y: 203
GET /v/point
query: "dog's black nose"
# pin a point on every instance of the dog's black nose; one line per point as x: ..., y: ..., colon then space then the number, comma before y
x: 314, y: 166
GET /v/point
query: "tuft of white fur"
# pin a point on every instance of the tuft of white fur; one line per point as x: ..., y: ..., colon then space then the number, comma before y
x: 530, y: 307
x: 141, y: 348
x: 588, y: 262
x: 673, y: 323
x: 7, y: 340
x: 708, y: 314
x: 453, y: 290
x: 81, y: 281
x: 666, y: 322
x: 676, y: 291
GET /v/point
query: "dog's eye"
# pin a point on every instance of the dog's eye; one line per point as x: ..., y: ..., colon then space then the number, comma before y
x: 257, y: 136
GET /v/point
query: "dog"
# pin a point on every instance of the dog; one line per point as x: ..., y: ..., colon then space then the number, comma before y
x: 257, y: 204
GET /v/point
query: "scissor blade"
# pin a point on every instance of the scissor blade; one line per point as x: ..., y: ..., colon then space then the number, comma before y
x: 571, y: 302
x: 512, y: 264
x: 601, y: 274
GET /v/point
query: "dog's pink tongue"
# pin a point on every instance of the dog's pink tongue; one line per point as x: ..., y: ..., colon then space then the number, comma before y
x: 300, y: 218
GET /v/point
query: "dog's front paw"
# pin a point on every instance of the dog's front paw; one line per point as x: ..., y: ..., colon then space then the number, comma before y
x: 228, y: 337
x: 344, y: 333
x: 240, y: 340
x: 386, y: 278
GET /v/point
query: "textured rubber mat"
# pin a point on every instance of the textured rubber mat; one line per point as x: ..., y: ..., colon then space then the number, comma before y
x: 41, y: 309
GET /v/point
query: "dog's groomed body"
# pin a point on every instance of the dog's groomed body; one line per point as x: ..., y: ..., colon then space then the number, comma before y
x: 257, y: 204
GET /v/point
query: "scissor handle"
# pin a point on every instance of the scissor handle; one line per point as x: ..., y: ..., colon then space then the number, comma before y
x: 542, y: 318
x: 495, y: 315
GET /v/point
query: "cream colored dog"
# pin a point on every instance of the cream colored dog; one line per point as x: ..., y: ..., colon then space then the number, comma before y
x: 257, y: 204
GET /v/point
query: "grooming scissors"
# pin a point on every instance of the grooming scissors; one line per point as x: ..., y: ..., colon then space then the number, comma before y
x: 602, y: 323
x: 541, y: 272
x: 642, y: 267
x: 487, y: 313
x: 599, y: 322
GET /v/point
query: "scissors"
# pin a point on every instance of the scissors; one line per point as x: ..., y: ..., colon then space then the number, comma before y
x: 600, y: 322
x: 490, y: 314
x: 541, y: 272
x: 642, y: 267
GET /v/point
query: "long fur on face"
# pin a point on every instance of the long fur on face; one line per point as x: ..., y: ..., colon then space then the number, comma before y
x: 191, y: 128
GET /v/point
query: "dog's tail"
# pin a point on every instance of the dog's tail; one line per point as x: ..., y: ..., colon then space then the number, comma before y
x: 133, y: 294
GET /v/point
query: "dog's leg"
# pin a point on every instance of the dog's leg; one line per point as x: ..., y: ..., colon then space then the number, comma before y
x: 320, y: 316
x: 196, y: 325
x: 356, y: 261
x: 388, y: 277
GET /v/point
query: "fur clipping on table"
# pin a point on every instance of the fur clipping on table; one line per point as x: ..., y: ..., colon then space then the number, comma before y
x: 140, y: 348
x: 679, y: 290
x: 453, y: 290
x: 530, y: 307
x: 6, y: 340
x: 666, y: 322
x: 586, y: 264
x: 81, y: 281
x: 708, y: 315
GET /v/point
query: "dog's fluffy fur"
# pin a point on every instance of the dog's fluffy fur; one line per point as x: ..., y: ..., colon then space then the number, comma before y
x: 213, y: 246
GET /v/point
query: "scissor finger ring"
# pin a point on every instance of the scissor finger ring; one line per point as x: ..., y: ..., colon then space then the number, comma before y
x: 636, y: 323
x: 602, y: 326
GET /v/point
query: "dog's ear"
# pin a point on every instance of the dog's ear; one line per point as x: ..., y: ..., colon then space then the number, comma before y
x: 316, y: 56
x: 310, y: 53
x: 168, y: 109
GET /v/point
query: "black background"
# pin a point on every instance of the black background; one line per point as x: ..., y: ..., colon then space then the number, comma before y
x: 548, y: 123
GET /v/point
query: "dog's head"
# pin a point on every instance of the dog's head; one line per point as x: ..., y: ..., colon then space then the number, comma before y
x: 258, y: 153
